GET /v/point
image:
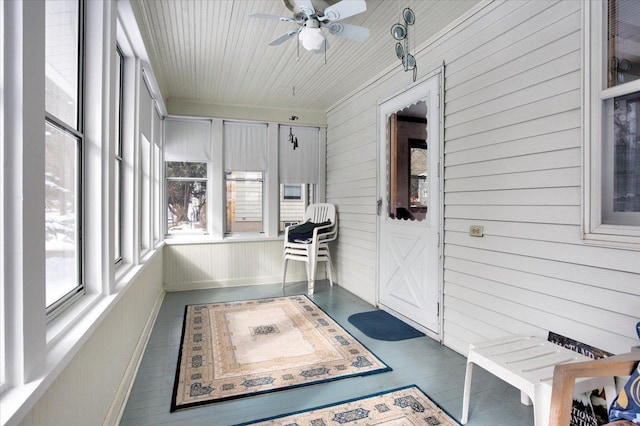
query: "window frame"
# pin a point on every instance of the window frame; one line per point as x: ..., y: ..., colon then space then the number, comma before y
x: 57, y: 307
x: 292, y: 197
x: 3, y: 319
x: 165, y: 206
x: 119, y: 157
x: 265, y: 201
x: 595, y: 94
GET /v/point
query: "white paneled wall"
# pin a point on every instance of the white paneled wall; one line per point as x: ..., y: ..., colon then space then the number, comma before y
x: 513, y: 165
x: 83, y: 394
x: 210, y: 265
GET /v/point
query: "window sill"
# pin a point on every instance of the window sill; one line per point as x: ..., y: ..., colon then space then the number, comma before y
x: 65, y: 336
x: 207, y: 239
x: 604, y: 236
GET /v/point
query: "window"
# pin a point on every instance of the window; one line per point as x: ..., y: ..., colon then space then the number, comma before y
x: 145, y: 195
x: 244, y: 201
x: 298, y: 171
x: 231, y: 165
x: 63, y: 141
x: 612, y: 208
x: 119, y: 168
x: 186, y: 197
x: 291, y: 192
x: 157, y: 176
x: 294, y: 200
x: 245, y: 163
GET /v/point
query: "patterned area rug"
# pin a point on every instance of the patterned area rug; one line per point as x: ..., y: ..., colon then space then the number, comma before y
x: 406, y: 406
x: 238, y: 349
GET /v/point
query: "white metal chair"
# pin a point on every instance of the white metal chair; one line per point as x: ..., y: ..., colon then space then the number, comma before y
x: 316, y: 248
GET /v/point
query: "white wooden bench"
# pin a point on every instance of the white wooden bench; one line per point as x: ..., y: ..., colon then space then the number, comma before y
x: 527, y: 363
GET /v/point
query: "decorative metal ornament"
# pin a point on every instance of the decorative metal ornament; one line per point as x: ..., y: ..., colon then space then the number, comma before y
x: 409, y: 16
x: 399, y: 51
x: 293, y: 139
x: 400, y: 33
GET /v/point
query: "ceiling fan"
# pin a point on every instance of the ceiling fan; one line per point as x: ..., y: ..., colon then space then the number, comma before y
x: 312, y: 20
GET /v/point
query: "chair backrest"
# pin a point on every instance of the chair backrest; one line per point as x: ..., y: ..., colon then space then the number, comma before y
x: 320, y: 212
x: 564, y: 376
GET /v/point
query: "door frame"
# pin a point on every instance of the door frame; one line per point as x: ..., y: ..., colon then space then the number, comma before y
x: 409, y: 95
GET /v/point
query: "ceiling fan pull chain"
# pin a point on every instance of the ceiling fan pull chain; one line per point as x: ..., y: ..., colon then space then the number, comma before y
x: 325, y: 51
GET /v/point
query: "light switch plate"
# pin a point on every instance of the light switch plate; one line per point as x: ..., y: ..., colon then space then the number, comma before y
x: 476, y: 230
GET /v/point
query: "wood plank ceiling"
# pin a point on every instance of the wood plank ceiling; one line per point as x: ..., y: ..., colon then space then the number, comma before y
x: 211, y: 51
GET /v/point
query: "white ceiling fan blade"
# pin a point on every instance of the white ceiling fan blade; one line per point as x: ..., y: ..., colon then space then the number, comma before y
x: 305, y: 7
x: 354, y: 32
x: 284, y: 37
x: 344, y: 9
x: 273, y: 17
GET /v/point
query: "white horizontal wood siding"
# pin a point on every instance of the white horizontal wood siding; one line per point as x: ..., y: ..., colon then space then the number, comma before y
x: 291, y: 210
x: 513, y: 165
x: 248, y: 202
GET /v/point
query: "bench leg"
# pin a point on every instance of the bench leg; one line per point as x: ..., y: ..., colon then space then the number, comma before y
x: 542, y: 405
x: 467, y: 391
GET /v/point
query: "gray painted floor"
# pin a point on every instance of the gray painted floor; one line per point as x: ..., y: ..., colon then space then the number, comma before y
x: 437, y: 370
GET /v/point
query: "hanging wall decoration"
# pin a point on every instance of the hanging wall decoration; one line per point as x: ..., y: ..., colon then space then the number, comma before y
x: 400, y: 32
x: 293, y: 139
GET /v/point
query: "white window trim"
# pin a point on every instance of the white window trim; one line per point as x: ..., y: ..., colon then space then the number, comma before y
x: 594, y: 70
x: 3, y: 363
x: 37, y: 351
x: 217, y: 188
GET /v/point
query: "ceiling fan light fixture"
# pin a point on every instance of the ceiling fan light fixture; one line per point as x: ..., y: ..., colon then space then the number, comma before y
x: 311, y: 38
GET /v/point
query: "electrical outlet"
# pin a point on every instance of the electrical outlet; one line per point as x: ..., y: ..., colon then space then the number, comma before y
x: 476, y: 230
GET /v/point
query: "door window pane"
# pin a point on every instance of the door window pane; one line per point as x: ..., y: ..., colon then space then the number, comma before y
x: 408, y: 163
x: 419, y: 190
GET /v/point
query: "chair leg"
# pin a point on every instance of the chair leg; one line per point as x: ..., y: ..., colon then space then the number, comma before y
x: 284, y: 272
x: 311, y: 271
x: 330, y: 267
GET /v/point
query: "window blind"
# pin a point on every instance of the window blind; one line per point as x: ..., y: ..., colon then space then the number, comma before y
x: 187, y: 140
x: 300, y: 165
x: 245, y: 147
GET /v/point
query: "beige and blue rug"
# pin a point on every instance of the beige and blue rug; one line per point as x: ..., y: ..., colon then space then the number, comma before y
x: 405, y: 406
x: 238, y: 349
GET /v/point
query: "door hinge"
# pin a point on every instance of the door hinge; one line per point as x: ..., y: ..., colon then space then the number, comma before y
x: 438, y: 169
x: 438, y: 309
x: 438, y: 239
x: 379, y: 205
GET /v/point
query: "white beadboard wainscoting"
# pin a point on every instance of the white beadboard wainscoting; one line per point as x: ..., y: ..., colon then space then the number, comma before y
x: 512, y: 163
x: 94, y: 386
x: 194, y: 266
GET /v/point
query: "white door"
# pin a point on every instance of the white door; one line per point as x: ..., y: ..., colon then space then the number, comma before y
x: 410, y: 204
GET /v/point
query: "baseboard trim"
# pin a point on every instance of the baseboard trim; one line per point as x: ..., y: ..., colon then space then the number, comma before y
x: 116, y: 409
x: 235, y: 282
